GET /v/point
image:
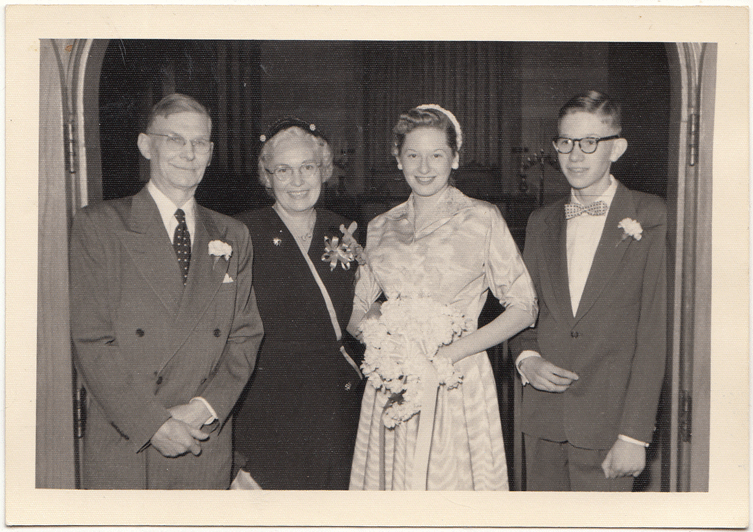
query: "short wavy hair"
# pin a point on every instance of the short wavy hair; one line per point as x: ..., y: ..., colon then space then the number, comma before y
x: 322, y: 151
x: 417, y: 118
x: 596, y: 103
x: 176, y: 103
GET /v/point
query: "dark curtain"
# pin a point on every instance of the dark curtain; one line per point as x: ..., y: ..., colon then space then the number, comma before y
x: 222, y: 75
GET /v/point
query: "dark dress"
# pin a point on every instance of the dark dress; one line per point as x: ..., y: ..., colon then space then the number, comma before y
x: 295, y: 425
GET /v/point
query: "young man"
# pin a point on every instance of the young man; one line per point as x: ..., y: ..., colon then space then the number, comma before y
x: 593, y: 366
x: 164, y: 319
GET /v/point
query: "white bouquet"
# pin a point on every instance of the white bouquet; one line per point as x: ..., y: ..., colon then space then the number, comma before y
x: 398, y: 343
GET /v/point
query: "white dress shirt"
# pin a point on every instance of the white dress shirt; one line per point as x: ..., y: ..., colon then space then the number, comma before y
x: 583, y: 235
x: 167, y: 210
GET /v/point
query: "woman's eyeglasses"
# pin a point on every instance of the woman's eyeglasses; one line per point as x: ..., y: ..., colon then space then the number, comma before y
x: 284, y: 173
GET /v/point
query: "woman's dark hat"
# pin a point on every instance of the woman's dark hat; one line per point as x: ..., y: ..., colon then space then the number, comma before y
x: 288, y: 122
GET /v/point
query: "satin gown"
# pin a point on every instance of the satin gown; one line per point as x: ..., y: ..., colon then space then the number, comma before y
x: 464, y: 251
x: 295, y: 424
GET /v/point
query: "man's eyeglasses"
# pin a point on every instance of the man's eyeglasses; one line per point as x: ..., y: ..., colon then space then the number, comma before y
x: 284, y: 173
x: 565, y: 145
x: 176, y: 142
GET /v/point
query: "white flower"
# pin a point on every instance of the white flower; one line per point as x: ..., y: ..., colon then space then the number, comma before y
x: 276, y: 241
x: 218, y: 248
x: 399, y: 343
x: 631, y: 228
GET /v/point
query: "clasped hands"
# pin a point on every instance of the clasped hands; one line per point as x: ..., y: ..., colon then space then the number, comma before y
x: 624, y: 458
x: 182, y: 432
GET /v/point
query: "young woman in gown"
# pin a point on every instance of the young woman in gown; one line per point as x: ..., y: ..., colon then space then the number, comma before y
x: 295, y: 424
x: 454, y: 249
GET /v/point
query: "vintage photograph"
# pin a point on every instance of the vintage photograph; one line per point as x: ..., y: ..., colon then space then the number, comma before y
x: 313, y: 266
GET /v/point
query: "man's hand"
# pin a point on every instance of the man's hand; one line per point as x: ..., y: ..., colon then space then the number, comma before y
x: 624, y: 458
x: 194, y: 413
x: 545, y: 376
x: 175, y: 438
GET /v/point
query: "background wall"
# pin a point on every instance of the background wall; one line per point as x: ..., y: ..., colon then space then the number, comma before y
x: 506, y: 96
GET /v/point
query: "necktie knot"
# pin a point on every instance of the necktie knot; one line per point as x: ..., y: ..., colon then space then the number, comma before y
x: 180, y: 216
x: 597, y: 208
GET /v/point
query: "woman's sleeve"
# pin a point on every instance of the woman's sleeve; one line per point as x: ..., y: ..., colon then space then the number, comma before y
x: 506, y: 273
x: 367, y: 287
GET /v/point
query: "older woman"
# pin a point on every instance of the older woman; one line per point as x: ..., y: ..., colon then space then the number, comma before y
x: 295, y: 426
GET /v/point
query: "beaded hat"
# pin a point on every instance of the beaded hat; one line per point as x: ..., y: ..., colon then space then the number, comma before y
x: 287, y: 122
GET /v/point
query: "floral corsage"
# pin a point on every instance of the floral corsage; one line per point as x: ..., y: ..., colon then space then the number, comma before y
x: 630, y: 228
x: 409, y: 329
x: 218, y: 248
x: 343, y: 252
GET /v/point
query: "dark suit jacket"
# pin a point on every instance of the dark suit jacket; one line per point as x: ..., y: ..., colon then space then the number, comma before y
x: 616, y: 343
x: 145, y: 343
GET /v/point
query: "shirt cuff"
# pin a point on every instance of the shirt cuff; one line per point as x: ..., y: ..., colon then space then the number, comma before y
x: 521, y: 357
x: 632, y: 440
x: 209, y: 407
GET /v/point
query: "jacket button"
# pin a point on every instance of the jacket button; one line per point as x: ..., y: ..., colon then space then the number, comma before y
x: 139, y: 332
x: 217, y: 333
x: 159, y: 380
x: 574, y: 334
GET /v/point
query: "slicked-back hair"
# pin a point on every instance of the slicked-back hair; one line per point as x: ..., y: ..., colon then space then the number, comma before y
x: 596, y: 103
x: 176, y: 103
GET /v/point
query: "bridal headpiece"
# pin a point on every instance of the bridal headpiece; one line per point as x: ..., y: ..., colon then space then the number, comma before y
x: 448, y: 114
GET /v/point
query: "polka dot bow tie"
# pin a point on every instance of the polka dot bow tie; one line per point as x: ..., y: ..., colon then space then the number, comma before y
x: 597, y: 208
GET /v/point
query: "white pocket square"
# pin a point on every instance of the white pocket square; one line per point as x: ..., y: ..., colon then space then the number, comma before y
x: 227, y: 279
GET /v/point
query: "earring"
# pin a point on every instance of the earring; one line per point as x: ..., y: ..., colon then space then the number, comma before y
x: 399, y: 166
x: 455, y: 166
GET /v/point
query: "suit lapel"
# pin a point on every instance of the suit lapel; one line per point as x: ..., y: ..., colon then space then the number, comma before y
x: 205, y: 277
x: 555, y: 253
x: 610, y: 251
x: 148, y: 244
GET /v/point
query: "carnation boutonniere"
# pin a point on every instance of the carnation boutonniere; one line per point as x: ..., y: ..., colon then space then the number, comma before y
x: 218, y: 248
x: 343, y: 252
x: 630, y: 228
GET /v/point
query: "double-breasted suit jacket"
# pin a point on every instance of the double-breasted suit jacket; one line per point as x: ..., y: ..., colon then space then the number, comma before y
x: 616, y: 342
x: 145, y: 343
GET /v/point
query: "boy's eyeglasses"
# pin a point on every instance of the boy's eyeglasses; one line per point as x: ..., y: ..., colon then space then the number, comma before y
x: 176, y: 142
x: 587, y: 145
x: 284, y: 173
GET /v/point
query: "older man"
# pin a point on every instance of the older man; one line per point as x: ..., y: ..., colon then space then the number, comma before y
x: 164, y: 318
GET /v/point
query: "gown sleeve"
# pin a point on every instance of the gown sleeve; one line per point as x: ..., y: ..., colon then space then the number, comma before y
x: 367, y: 287
x: 506, y: 273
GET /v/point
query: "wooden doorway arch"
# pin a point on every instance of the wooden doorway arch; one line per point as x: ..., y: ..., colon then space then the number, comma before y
x: 70, y: 169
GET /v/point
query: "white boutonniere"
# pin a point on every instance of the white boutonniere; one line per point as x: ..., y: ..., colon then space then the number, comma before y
x: 276, y: 241
x: 631, y: 228
x: 218, y: 248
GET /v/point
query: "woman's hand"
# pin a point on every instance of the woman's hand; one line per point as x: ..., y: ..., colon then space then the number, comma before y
x: 445, y: 351
x: 358, y: 316
x: 375, y: 311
